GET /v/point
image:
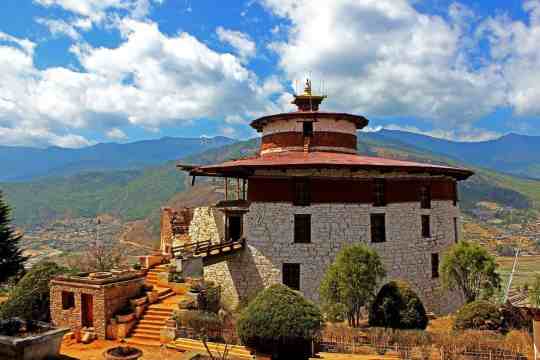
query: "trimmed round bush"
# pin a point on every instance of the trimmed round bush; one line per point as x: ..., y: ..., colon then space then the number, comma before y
x: 30, y: 298
x: 280, y: 322
x: 397, y: 306
x: 479, y: 315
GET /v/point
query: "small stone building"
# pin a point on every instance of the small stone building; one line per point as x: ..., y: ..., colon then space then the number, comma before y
x: 91, y: 301
x: 308, y: 194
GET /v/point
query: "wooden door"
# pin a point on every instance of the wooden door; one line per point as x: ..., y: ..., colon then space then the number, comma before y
x: 87, y: 310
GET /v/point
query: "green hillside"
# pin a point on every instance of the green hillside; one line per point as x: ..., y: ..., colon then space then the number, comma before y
x: 135, y: 194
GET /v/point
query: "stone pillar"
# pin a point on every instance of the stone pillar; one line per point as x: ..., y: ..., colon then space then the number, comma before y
x: 166, y: 230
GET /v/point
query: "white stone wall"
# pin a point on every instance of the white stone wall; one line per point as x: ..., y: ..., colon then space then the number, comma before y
x: 322, y: 124
x: 269, y: 230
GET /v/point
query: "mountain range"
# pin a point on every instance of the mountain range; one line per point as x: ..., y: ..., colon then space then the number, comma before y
x: 25, y: 163
x: 133, y: 187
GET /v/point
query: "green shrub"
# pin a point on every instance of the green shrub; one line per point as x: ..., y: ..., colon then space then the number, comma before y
x: 279, y: 321
x: 30, y: 298
x: 398, y: 307
x: 209, y: 299
x: 479, y: 315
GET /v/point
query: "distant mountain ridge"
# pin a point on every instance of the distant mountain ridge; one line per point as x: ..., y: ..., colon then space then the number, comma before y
x: 25, y: 163
x: 513, y: 153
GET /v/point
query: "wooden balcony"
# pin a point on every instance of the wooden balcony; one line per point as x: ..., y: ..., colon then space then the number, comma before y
x: 207, y: 250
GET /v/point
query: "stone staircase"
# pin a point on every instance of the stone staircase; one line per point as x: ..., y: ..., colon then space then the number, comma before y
x: 147, y: 330
x: 235, y: 351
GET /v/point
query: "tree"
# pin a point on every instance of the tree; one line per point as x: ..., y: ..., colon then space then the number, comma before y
x: 98, y: 256
x: 351, y: 282
x: 30, y: 298
x: 479, y: 315
x: 281, y: 322
x: 397, y: 306
x: 471, y: 269
x: 11, y: 258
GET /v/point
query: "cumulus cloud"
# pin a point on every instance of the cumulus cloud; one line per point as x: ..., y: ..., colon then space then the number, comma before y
x: 116, y: 134
x: 514, y: 45
x: 240, y: 41
x: 384, y: 58
x: 464, y: 135
x: 149, y: 80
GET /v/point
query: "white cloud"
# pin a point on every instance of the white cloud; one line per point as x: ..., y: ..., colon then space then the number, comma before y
x: 240, y: 41
x: 40, y: 137
x: 228, y: 131
x: 384, y: 58
x: 116, y: 134
x: 60, y: 27
x: 464, y: 135
x: 514, y: 45
x: 149, y: 80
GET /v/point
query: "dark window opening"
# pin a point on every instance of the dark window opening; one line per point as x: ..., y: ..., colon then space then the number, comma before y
x: 68, y: 300
x: 425, y: 197
x: 302, y: 228
x: 378, y: 228
x: 455, y: 194
x: 302, y: 192
x: 426, y: 230
x: 234, y: 227
x: 291, y: 276
x: 307, y: 129
x: 434, y: 266
x: 456, y: 230
x: 380, y: 193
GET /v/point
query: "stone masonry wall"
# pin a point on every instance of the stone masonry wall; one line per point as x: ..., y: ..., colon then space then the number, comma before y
x: 107, y: 300
x: 269, y: 230
x: 205, y: 225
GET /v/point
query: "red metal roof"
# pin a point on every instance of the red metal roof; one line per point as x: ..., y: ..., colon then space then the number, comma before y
x: 297, y: 159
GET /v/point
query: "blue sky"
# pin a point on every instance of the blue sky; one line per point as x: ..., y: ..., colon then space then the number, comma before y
x: 77, y: 72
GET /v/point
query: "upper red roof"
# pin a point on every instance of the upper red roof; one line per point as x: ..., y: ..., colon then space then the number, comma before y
x: 298, y: 159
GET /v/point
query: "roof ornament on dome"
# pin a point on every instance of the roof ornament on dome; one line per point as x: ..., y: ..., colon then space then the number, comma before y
x: 307, y: 101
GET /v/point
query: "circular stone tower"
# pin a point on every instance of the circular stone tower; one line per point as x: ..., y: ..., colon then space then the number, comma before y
x: 308, y: 194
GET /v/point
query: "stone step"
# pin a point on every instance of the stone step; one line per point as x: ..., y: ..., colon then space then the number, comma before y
x: 149, y: 332
x: 167, y: 295
x: 161, y: 308
x: 156, y: 317
x: 145, y: 336
x: 151, y: 322
x: 142, y: 342
x: 160, y: 313
x: 149, y: 327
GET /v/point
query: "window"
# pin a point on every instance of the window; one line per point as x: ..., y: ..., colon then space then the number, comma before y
x: 302, y: 192
x: 302, y: 228
x: 307, y: 128
x: 380, y: 193
x: 426, y: 231
x: 455, y: 194
x: 291, y: 276
x: 378, y: 228
x: 456, y: 230
x: 425, y: 197
x: 68, y: 300
x: 434, y: 266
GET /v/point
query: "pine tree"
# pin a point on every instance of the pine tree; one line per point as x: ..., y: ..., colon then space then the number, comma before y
x: 11, y: 258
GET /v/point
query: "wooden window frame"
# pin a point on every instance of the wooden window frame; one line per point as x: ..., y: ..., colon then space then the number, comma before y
x: 68, y: 300
x: 302, y: 228
x: 435, y: 261
x: 426, y: 226
x: 425, y: 196
x: 379, y: 193
x: 378, y: 228
x: 288, y: 270
x: 302, y: 192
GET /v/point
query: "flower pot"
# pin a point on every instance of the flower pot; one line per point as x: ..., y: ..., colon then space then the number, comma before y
x: 122, y: 353
x: 125, y: 318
